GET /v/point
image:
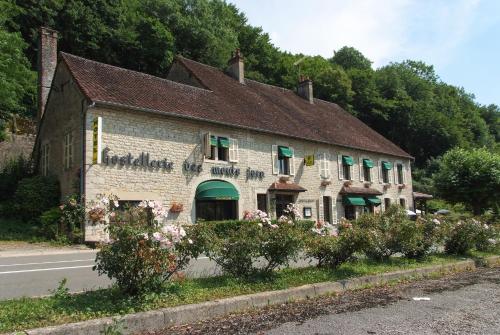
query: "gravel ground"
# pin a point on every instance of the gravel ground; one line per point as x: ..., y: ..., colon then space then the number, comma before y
x: 463, y: 303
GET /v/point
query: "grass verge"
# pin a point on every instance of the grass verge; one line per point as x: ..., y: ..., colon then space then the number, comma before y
x: 26, y: 313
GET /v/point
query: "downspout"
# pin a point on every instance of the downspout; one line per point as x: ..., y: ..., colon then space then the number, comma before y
x: 85, y: 107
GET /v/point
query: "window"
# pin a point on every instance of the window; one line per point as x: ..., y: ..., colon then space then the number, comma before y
x: 324, y: 165
x: 387, y: 203
x: 285, y: 154
x: 221, y: 148
x: 402, y: 202
x: 262, y: 202
x: 327, y: 213
x: 44, y: 159
x: 68, y: 150
x: 367, y: 165
x: 385, y: 167
x: 345, y: 167
x: 400, y: 174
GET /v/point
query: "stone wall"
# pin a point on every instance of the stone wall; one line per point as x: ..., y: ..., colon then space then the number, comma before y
x: 14, y: 146
x: 180, y: 141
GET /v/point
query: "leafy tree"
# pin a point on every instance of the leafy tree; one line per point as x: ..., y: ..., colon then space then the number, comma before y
x: 350, y: 58
x: 334, y: 85
x: 471, y: 177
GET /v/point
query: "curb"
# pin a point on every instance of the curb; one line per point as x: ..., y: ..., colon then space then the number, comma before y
x: 166, y: 317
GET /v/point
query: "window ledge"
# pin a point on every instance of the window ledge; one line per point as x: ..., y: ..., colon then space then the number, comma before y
x: 214, y: 161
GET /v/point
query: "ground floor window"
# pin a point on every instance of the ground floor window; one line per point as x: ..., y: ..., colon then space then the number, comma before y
x: 350, y: 212
x: 387, y: 203
x: 282, y: 200
x: 216, y: 210
x: 262, y: 202
x: 402, y: 202
x: 327, y: 212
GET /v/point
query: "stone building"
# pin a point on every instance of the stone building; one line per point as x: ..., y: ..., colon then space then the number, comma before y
x: 212, y: 141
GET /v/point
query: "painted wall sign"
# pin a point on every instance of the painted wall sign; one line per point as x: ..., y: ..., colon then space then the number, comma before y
x: 96, y: 139
x: 225, y: 171
x: 254, y: 174
x: 142, y: 161
x: 306, y: 200
x: 192, y: 167
x: 309, y: 160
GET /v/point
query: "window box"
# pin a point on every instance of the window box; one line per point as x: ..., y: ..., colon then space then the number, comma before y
x: 401, y: 186
x: 284, y: 179
x: 176, y: 207
x: 325, y: 183
x: 348, y: 183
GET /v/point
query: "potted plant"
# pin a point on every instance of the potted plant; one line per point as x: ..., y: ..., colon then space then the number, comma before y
x: 325, y: 183
x: 348, y: 183
x: 176, y: 207
x: 284, y: 179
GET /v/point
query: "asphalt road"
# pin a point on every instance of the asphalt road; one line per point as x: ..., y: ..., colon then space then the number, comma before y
x: 472, y: 309
x: 37, y: 275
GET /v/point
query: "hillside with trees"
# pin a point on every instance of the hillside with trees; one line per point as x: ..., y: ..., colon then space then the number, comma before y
x: 405, y: 101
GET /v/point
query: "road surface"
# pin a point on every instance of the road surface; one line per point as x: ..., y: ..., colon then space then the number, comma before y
x: 37, y: 275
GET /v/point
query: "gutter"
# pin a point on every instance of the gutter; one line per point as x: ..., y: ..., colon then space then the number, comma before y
x: 115, y: 105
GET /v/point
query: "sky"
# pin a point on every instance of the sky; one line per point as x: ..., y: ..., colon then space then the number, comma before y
x: 461, y: 38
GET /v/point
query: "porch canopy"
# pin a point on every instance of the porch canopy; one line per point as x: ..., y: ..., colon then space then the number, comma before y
x: 360, y: 196
x: 216, y: 190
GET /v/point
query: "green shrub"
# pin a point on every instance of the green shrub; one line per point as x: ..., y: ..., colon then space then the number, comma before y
x: 488, y: 238
x: 72, y: 218
x: 142, y: 254
x: 248, y: 247
x: 14, y: 171
x: 50, y: 222
x: 415, y: 238
x: 35, y: 195
x: 331, y: 249
x: 462, y: 236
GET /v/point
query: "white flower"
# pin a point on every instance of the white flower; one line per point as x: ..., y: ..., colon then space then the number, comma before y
x: 151, y: 203
x: 116, y: 203
x: 190, y: 241
x: 436, y: 221
x: 274, y: 226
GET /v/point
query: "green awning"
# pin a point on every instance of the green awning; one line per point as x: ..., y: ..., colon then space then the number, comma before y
x: 386, y: 165
x: 347, y: 160
x: 284, y: 152
x: 223, y: 142
x: 354, y: 200
x: 373, y: 201
x: 213, y: 141
x: 367, y: 163
x: 216, y: 190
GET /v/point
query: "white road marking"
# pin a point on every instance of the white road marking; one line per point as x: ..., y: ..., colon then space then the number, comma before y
x: 49, y: 269
x: 54, y: 262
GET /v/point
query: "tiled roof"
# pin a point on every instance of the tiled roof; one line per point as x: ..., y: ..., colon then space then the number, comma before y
x: 290, y: 187
x: 359, y: 190
x: 254, y: 105
x: 418, y: 195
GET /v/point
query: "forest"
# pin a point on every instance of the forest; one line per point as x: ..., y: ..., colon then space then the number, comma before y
x: 405, y: 101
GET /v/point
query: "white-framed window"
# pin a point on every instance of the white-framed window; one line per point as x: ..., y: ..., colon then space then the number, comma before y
x: 324, y: 165
x: 345, y: 165
x: 399, y: 173
x: 44, y: 158
x: 385, y: 168
x: 221, y: 148
x: 68, y: 150
x: 402, y: 202
x: 365, y: 169
x: 283, y: 159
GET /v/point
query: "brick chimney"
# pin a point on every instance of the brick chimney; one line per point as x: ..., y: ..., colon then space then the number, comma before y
x: 236, y: 67
x: 305, y: 89
x: 47, y: 62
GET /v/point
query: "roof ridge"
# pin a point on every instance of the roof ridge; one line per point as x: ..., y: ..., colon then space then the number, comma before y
x: 65, y: 54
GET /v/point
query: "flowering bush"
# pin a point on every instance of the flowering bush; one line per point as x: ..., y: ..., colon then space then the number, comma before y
x: 467, y: 234
x: 64, y: 223
x: 254, y: 245
x: 143, y: 253
x: 330, y: 248
x: 99, y: 210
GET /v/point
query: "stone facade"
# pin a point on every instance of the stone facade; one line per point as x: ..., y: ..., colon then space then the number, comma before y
x: 179, y: 141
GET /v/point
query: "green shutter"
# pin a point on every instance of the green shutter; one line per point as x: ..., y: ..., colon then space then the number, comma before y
x: 354, y: 200
x: 347, y: 160
x: 223, y: 142
x: 367, y: 163
x: 386, y: 165
x: 373, y: 201
x: 216, y: 190
x: 213, y: 140
x: 284, y: 152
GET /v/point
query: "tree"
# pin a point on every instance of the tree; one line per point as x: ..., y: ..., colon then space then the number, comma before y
x: 471, y: 177
x: 334, y: 85
x: 350, y: 58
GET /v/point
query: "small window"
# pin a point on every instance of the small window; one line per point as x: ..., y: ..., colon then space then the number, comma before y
x: 347, y: 162
x: 284, y: 156
x: 402, y: 202
x: 219, y: 148
x: 387, y: 203
x: 386, y: 166
x: 44, y: 159
x: 400, y: 174
x: 68, y: 150
x: 262, y: 202
x: 366, y: 173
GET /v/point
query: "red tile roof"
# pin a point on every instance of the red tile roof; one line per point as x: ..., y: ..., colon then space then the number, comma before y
x: 359, y: 190
x: 254, y: 105
x: 418, y: 195
x: 290, y: 187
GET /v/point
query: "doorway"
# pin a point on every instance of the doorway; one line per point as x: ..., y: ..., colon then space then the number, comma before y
x: 282, y: 200
x: 327, y: 209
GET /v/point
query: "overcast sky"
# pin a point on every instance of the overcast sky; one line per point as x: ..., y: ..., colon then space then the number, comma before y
x: 461, y: 38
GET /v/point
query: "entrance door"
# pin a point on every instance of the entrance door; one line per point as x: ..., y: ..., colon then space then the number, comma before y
x: 282, y: 200
x: 327, y: 209
x: 216, y: 210
x: 350, y: 212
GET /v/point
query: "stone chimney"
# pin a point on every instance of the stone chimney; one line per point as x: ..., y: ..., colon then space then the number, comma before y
x: 236, y: 67
x: 47, y: 62
x: 305, y: 89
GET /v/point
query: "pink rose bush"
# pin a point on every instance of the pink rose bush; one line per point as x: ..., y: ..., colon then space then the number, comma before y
x: 143, y: 251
